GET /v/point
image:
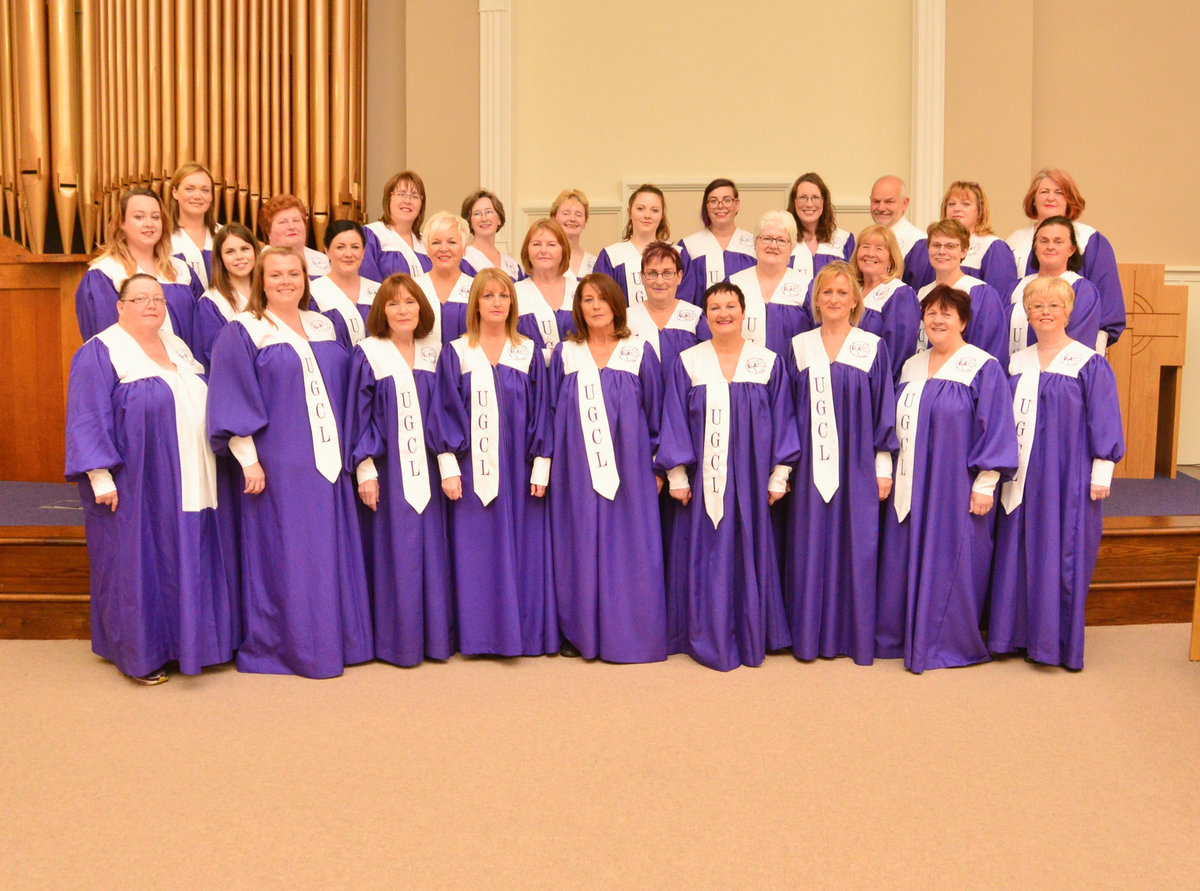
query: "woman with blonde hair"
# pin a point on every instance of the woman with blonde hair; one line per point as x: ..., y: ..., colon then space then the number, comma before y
x: 193, y: 218
x: 989, y: 257
x: 647, y: 222
x: 890, y: 307
x: 545, y: 297
x: 276, y: 404
x: 572, y: 211
x: 492, y: 435
x: 445, y: 284
x: 138, y: 241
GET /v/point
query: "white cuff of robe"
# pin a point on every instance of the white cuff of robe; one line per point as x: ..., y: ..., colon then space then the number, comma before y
x: 102, y: 481
x: 366, y: 470
x: 540, y: 475
x: 1101, y: 342
x: 985, y: 482
x: 448, y: 465
x: 777, y: 481
x: 1102, y: 472
x: 883, y: 465
x: 244, y: 450
x: 677, y: 477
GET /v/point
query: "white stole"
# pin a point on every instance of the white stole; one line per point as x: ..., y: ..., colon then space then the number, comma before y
x: 978, y: 248
x: 115, y: 272
x: 704, y: 369
x: 593, y: 415
x: 329, y: 297
x: 960, y: 367
x: 685, y: 317
x: 391, y: 240
x: 478, y: 260
x: 458, y: 294
x: 531, y: 302
x: 877, y: 298
x: 386, y: 361
x: 859, y: 351
x: 966, y: 283
x: 705, y: 244
x: 789, y: 292
x: 327, y: 453
x: 623, y: 253
x: 1026, y: 365
x: 218, y: 299
x: 316, y: 263
x: 197, y: 464
x: 907, y: 235
x: 1018, y: 326
x: 485, y: 410
x: 181, y: 243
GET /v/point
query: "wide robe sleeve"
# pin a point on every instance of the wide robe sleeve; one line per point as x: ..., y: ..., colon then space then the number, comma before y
x: 235, y: 400
x: 901, y: 327
x: 785, y: 433
x: 883, y: 401
x: 1106, y: 440
x: 988, y: 328
x: 650, y: 373
x: 1084, y: 324
x: 450, y: 424
x: 1100, y: 268
x: 206, y: 325
x: 539, y: 424
x: 691, y: 286
x: 675, y: 447
x: 91, y: 424
x: 95, y: 303
x: 994, y: 431
x: 604, y: 264
x: 999, y: 267
x: 361, y: 426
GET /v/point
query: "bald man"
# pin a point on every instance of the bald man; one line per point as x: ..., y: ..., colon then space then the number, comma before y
x: 889, y: 201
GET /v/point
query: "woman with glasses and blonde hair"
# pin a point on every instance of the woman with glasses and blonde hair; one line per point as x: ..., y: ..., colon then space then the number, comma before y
x: 1064, y: 397
x: 393, y: 242
x: 193, y: 218
x: 492, y: 434
x: 989, y: 257
x: 138, y: 241
x: 721, y: 248
x: 136, y: 446
x: 647, y: 222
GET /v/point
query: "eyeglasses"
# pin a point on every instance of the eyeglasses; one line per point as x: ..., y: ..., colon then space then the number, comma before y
x: 413, y: 196
x: 654, y: 275
x: 727, y: 201
x: 482, y: 214
x: 945, y: 246
x: 145, y: 299
x: 780, y: 240
x: 1047, y: 307
x: 808, y: 199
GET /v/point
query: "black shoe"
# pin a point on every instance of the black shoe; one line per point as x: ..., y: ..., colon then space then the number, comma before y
x: 568, y: 649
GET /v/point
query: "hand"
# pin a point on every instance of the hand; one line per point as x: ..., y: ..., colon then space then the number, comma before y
x: 256, y: 480
x: 1099, y: 493
x: 885, y: 487
x: 981, y: 504
x: 368, y: 491
x: 772, y: 497
x: 659, y: 480
x: 110, y: 498
x: 683, y: 496
x: 537, y: 491
x: 452, y: 486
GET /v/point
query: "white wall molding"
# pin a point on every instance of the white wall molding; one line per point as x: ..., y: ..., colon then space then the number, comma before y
x: 496, y: 102
x: 928, y: 109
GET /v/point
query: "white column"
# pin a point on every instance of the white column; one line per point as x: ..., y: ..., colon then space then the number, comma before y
x: 495, y: 105
x: 928, y: 109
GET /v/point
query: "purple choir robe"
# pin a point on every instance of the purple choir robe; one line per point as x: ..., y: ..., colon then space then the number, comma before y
x: 1083, y: 325
x: 407, y: 557
x: 1099, y: 268
x: 500, y: 551
x: 213, y: 313
x: 474, y: 259
x: 546, y: 327
x: 608, y: 564
x: 349, y: 317
x: 771, y: 324
x: 988, y: 327
x: 917, y: 271
x: 705, y: 263
x: 622, y: 262
x: 304, y: 586
x: 990, y: 259
x: 1046, y: 545
x: 832, y: 556
x: 934, y: 564
x: 199, y: 260
x: 387, y: 253
x: 449, y: 318
x: 96, y: 298
x: 159, y: 581
x: 724, y: 580
x: 892, y: 311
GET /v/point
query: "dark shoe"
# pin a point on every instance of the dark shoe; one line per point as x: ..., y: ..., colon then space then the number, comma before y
x: 568, y: 649
x: 153, y: 679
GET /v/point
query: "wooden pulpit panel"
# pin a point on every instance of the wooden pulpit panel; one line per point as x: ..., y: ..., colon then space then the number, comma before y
x: 1148, y: 361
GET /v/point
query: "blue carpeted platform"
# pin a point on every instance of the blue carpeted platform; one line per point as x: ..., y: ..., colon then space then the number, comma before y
x: 57, y: 504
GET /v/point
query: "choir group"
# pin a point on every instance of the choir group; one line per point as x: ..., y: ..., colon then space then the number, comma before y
x: 409, y: 445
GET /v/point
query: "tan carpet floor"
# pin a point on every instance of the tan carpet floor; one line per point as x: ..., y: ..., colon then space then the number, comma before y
x: 553, y: 772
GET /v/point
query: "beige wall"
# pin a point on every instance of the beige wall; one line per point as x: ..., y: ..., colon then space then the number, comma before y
x: 386, y: 110
x: 656, y: 92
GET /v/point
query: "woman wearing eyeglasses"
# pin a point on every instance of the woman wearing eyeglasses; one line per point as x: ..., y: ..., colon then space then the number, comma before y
x: 485, y: 215
x: 721, y: 248
x: 1048, y: 530
x: 394, y: 240
x: 137, y: 448
x: 1056, y: 255
x: 818, y: 238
